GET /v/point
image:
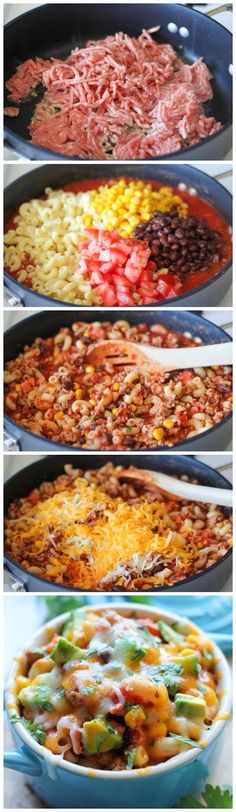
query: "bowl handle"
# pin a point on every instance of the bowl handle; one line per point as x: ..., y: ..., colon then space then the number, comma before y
x: 23, y: 762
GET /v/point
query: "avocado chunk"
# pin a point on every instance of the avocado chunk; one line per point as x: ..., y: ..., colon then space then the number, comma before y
x: 190, y: 706
x: 190, y: 664
x: 74, y: 625
x: 64, y: 651
x: 170, y: 635
x: 98, y: 737
x: 36, y: 696
x: 128, y: 651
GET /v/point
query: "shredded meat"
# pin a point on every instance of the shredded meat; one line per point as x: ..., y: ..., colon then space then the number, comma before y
x: 119, y: 97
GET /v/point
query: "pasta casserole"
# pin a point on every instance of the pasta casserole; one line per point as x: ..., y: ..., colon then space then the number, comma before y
x: 119, y: 691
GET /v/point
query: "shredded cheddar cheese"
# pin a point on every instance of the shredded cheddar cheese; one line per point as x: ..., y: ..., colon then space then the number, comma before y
x: 83, y: 536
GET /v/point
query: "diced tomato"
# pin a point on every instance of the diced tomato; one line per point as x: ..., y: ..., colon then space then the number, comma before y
x: 133, y: 273
x: 119, y: 254
x: 118, y: 267
x: 150, y: 626
x: 34, y: 498
x: 183, y: 419
x: 26, y: 386
x: 107, y: 294
x: 186, y: 376
x: 166, y: 285
x: 96, y: 278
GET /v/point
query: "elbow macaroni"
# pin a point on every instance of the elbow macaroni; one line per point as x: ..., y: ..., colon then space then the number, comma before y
x: 47, y: 233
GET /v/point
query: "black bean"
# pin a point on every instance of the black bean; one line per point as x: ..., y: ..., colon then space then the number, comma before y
x: 180, y: 243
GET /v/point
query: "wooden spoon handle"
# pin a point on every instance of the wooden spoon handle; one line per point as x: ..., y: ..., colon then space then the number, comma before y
x: 197, y: 493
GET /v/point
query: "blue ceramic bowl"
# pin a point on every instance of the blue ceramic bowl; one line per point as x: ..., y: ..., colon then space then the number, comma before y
x: 64, y: 785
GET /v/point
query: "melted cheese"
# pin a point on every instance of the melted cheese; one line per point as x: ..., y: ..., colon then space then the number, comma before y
x: 57, y: 530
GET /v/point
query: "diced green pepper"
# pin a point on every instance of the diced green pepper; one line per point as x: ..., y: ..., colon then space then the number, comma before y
x: 190, y: 706
x: 98, y: 737
x: 169, y: 634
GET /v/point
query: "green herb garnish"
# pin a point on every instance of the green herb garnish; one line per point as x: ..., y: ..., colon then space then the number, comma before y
x: 169, y: 674
x: 214, y: 797
x: 88, y: 689
x: 185, y: 740
x: 130, y: 758
x: 36, y: 731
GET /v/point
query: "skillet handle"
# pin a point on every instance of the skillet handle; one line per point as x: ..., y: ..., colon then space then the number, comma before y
x: 12, y: 299
x: 226, y: 174
x: 21, y: 761
x: 15, y: 584
x: 10, y: 442
x: 213, y: 12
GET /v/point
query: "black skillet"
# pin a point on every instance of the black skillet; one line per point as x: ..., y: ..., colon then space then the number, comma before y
x: 212, y: 579
x: 54, y: 29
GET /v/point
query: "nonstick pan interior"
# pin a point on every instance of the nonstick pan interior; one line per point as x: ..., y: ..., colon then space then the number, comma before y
x: 55, y: 29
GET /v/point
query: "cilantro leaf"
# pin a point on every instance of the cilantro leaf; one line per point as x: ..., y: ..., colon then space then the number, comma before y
x: 214, y: 797
x: 139, y: 653
x: 189, y: 802
x: 130, y: 758
x: 88, y: 689
x: 168, y: 674
x: 185, y: 740
x: 36, y: 731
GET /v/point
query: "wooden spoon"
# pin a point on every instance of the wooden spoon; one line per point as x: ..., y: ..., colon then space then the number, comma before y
x: 183, y: 490
x: 127, y: 353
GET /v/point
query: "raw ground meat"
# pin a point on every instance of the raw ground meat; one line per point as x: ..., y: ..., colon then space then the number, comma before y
x: 120, y: 98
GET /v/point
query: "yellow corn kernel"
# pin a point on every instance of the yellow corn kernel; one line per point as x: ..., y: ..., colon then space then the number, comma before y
x: 90, y: 369
x: 157, y: 730
x: 59, y: 415
x: 126, y: 203
x: 158, y: 434
x: 135, y: 717
x: 92, y: 402
x: 152, y: 656
x: 168, y: 424
x: 186, y: 651
x: 115, y: 411
x: 134, y: 221
x: 79, y: 394
x: 208, y: 646
x: 141, y: 757
x: 21, y: 682
x: 88, y: 220
x: 128, y: 231
x: 116, y: 387
x: 192, y: 638
x: 210, y: 697
x: 145, y: 217
x: 133, y: 407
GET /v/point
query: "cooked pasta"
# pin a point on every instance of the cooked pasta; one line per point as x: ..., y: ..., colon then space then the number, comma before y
x: 124, y: 690
x: 89, y: 531
x: 45, y: 240
x: 53, y: 391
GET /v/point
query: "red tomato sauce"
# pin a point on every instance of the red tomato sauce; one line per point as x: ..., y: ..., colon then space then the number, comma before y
x: 198, y: 207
